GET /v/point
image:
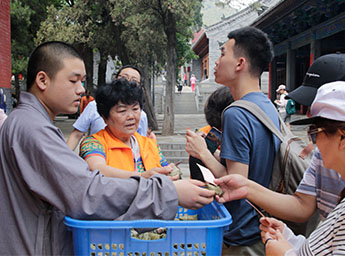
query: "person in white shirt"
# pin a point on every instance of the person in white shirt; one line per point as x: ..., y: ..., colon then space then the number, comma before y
x: 282, y: 102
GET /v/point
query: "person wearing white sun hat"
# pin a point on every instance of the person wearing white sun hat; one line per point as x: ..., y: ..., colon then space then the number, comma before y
x: 281, y: 103
x: 327, y: 131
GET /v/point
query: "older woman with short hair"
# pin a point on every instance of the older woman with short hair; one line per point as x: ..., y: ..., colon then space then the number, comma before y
x: 118, y: 150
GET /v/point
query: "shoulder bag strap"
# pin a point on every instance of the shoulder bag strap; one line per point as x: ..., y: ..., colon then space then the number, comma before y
x: 259, y: 114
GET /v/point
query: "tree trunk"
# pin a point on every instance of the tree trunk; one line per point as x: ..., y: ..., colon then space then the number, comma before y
x: 87, y: 55
x: 89, y: 68
x: 102, y: 68
x: 169, y: 113
x: 121, y: 47
x: 148, y: 106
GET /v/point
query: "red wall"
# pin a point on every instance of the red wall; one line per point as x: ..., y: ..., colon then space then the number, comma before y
x: 5, y: 44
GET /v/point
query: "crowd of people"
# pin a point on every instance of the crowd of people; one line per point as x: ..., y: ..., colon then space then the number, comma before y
x: 122, y: 174
x: 42, y: 179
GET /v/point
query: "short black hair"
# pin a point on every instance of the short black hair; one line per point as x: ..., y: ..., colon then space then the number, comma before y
x: 48, y: 57
x: 120, y: 90
x: 215, y: 104
x: 255, y: 45
x: 128, y: 66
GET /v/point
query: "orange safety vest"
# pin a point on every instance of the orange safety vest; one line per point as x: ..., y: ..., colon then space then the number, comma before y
x: 206, y: 129
x: 120, y: 156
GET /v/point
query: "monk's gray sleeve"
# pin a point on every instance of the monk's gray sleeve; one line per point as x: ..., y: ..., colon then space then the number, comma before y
x: 60, y: 177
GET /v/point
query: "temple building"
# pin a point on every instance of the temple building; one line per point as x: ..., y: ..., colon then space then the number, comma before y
x: 301, y: 31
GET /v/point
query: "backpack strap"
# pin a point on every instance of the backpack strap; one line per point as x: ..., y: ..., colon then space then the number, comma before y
x: 259, y: 114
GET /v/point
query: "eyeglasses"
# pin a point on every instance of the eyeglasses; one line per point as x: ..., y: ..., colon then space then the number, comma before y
x: 130, y: 78
x: 312, y: 133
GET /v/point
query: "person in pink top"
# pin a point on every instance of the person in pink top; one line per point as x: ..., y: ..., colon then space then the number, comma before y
x: 3, y: 116
x: 185, y: 79
x: 192, y: 82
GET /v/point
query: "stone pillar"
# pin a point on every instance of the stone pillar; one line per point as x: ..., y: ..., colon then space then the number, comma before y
x: 290, y: 70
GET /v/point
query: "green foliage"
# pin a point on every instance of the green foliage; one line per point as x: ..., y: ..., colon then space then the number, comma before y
x: 20, y: 47
x: 68, y: 24
x: 26, y: 16
x: 134, y: 30
x: 143, y: 34
x: 184, y: 52
x: 146, y: 22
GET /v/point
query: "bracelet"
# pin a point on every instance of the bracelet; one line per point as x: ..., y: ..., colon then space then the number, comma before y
x: 267, y: 241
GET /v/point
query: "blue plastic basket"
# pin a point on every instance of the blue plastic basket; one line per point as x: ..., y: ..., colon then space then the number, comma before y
x: 189, y: 238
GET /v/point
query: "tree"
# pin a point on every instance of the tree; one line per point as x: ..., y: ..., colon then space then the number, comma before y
x: 171, y: 12
x: 87, y: 25
x: 146, y: 48
x: 165, y: 20
x: 72, y: 25
x: 142, y: 33
x: 26, y: 16
x: 20, y: 23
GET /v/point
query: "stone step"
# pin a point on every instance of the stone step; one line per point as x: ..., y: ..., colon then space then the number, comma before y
x: 185, y: 103
x: 174, y: 159
x: 172, y: 146
x: 174, y: 153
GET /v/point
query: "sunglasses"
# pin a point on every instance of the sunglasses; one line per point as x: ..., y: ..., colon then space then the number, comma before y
x: 312, y: 133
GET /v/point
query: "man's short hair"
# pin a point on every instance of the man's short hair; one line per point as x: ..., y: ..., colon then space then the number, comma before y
x: 215, y: 104
x: 48, y: 57
x: 119, y: 90
x: 128, y: 66
x: 255, y: 45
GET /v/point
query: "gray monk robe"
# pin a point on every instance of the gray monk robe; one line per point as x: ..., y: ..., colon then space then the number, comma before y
x: 41, y: 180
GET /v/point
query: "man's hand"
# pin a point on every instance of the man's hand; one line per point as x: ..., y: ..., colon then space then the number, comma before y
x: 191, y: 195
x: 234, y: 186
x: 195, y: 144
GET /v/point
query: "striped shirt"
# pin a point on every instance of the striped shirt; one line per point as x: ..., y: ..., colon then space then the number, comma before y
x: 329, y: 238
x: 325, y: 184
